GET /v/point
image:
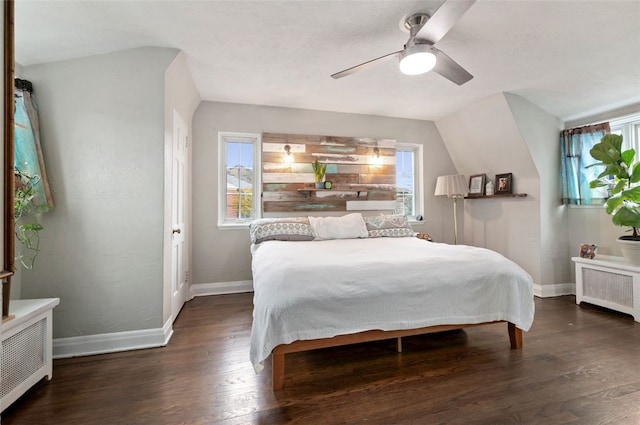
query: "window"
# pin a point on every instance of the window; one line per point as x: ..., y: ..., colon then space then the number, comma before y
x: 239, y: 183
x: 629, y: 128
x: 409, y: 180
x: 576, y: 165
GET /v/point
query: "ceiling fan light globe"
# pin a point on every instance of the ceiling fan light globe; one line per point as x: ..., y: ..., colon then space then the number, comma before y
x: 417, y: 60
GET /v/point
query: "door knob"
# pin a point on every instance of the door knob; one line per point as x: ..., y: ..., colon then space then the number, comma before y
x: 176, y: 230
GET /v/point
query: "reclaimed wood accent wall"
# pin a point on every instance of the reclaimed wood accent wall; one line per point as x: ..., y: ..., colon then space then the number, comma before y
x: 362, y: 172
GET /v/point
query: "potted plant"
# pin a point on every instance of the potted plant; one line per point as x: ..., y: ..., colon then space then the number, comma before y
x: 622, y: 174
x: 27, y: 226
x: 319, y: 170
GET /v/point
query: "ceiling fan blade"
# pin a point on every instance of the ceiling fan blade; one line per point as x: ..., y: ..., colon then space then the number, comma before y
x: 364, y: 65
x: 450, y: 70
x: 443, y: 20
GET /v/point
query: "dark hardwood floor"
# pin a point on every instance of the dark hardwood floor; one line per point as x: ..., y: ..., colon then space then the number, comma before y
x: 579, y: 365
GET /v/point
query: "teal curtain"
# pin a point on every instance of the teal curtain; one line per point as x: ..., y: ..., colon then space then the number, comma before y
x: 28, y: 159
x: 575, y: 145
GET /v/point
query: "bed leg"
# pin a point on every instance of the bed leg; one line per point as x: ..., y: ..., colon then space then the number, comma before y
x: 399, y: 344
x: 515, y: 336
x: 277, y: 372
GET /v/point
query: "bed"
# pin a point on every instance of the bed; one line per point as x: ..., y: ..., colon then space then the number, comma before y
x: 314, y: 288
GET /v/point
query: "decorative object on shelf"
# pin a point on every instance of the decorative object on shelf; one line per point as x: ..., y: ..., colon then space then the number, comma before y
x: 588, y: 250
x: 489, y: 188
x: 503, y: 183
x: 424, y: 236
x: 453, y: 186
x: 476, y: 184
x: 319, y: 170
x: 622, y: 174
x: 328, y: 185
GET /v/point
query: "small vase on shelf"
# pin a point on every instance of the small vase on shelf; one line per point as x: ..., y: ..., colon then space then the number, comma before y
x: 319, y: 185
x: 489, y: 188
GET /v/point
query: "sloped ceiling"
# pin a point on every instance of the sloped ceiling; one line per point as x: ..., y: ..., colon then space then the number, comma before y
x: 572, y: 58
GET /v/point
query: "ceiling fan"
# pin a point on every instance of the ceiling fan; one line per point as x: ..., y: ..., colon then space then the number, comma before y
x: 419, y: 54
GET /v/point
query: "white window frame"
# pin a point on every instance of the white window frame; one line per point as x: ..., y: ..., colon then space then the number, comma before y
x: 629, y: 127
x: 223, y: 137
x: 418, y: 173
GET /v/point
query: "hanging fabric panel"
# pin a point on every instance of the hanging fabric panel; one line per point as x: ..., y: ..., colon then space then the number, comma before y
x: 28, y: 159
x: 575, y: 145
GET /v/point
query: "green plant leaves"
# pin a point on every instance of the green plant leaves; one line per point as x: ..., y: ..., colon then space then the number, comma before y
x: 635, y: 173
x: 319, y: 170
x: 627, y: 156
x: 627, y: 217
x: 608, y: 151
x: 27, y: 232
x: 623, y: 205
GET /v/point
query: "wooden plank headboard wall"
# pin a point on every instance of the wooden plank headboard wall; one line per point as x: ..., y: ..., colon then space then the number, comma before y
x: 362, y: 178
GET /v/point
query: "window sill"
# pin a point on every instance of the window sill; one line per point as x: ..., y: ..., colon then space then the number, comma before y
x: 581, y: 207
x: 233, y: 226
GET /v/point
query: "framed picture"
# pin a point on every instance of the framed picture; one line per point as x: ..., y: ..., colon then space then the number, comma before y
x: 503, y: 183
x: 476, y: 184
x: 588, y: 250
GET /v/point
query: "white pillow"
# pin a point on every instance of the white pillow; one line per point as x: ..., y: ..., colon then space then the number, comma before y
x: 350, y: 226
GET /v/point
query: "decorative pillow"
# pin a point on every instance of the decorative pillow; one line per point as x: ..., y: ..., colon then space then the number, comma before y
x: 350, y: 226
x: 395, y: 226
x: 280, y: 229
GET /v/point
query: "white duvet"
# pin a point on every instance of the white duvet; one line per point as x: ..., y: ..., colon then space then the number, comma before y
x: 320, y: 289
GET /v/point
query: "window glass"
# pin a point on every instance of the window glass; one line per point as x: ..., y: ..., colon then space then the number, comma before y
x: 409, y: 180
x: 405, y: 183
x: 240, y: 179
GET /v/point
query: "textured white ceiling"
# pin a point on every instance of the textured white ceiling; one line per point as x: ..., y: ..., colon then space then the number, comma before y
x: 572, y: 58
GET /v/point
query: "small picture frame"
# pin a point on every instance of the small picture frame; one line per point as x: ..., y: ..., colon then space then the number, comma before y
x: 476, y: 184
x: 503, y: 183
x: 588, y: 250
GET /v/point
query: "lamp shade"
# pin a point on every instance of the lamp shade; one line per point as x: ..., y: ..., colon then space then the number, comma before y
x: 454, y: 185
x: 417, y: 59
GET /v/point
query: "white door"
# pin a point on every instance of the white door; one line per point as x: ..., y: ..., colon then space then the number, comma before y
x: 179, y: 253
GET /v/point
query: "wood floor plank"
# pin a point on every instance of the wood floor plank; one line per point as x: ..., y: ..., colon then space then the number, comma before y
x: 579, y: 365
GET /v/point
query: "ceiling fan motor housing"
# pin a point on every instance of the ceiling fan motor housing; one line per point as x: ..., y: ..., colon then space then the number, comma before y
x: 414, y: 22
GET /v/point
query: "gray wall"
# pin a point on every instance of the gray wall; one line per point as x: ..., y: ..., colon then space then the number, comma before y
x: 540, y: 131
x: 102, y: 122
x: 221, y: 256
x: 484, y: 138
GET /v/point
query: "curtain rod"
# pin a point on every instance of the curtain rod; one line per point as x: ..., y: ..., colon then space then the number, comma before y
x: 24, y: 85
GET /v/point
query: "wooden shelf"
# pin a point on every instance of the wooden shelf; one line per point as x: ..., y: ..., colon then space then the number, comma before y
x: 500, y: 195
x: 309, y: 191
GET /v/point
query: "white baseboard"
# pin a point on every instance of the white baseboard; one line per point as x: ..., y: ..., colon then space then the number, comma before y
x: 221, y: 288
x: 112, y: 342
x: 546, y: 291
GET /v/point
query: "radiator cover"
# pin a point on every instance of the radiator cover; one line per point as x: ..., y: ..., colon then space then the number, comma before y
x: 609, y: 282
x: 23, y: 354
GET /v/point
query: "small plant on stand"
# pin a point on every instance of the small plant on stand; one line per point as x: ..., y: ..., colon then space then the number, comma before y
x: 319, y: 170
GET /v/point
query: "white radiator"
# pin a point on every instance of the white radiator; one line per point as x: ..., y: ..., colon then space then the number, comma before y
x: 608, y: 286
x: 23, y: 354
x: 609, y: 282
x: 26, y: 347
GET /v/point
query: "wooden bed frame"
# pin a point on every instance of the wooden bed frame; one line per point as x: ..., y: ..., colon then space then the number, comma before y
x: 277, y: 355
